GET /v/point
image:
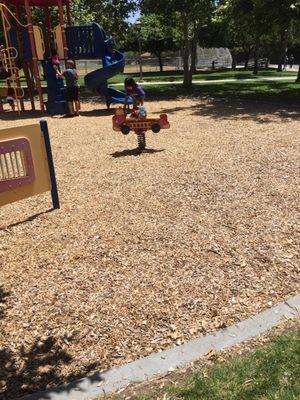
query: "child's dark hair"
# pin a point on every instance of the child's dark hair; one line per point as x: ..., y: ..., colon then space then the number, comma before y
x: 71, y: 63
x: 129, y: 82
x: 54, y: 52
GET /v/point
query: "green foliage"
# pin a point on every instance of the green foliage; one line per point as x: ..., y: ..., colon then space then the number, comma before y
x: 155, y: 36
x: 111, y: 14
x: 176, y: 12
x: 186, y: 17
x: 82, y: 13
x: 246, y: 21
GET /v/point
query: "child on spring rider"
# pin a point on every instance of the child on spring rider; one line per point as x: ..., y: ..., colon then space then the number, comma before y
x: 135, y: 91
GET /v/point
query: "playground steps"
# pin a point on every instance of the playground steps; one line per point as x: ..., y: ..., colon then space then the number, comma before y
x: 56, y: 104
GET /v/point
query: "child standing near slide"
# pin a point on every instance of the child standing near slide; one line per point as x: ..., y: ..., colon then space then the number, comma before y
x: 134, y: 91
x: 111, y: 44
x: 72, y: 90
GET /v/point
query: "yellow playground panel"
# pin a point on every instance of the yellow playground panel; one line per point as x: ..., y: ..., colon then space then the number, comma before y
x: 58, y: 40
x: 39, y: 42
x: 26, y: 164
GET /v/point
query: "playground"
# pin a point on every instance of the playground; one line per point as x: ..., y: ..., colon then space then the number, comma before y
x: 111, y: 252
x: 149, y: 250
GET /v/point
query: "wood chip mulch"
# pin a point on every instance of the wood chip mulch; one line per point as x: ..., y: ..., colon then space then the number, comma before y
x: 148, y: 251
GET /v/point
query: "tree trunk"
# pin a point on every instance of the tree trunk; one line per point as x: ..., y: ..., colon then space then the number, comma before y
x: 283, y: 42
x: 187, y: 81
x: 298, y: 77
x: 188, y: 78
x: 256, y: 55
x: 247, y: 56
x: 233, y: 64
x: 159, y: 57
x: 193, y: 55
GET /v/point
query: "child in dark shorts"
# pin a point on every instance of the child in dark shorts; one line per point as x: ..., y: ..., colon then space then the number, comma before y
x: 72, y: 88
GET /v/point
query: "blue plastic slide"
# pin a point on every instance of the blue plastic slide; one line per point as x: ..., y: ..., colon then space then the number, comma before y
x: 97, y: 80
x: 86, y: 42
x: 111, y: 66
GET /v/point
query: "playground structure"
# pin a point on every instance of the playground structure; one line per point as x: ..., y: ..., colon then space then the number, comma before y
x: 28, y: 46
x: 26, y: 164
x: 139, y: 124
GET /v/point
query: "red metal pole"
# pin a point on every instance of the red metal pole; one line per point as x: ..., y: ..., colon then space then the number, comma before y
x: 63, y: 30
x: 25, y: 63
x: 48, y: 29
x: 19, y: 16
x: 69, y: 18
x: 20, y: 49
x: 29, y: 84
x: 34, y: 55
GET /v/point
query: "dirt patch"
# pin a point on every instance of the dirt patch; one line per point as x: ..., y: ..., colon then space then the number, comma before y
x: 147, y: 251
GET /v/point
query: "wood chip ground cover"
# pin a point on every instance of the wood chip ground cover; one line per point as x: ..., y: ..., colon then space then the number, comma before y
x: 147, y: 251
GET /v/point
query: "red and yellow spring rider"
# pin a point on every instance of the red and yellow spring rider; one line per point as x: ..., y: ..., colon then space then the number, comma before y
x: 139, y: 123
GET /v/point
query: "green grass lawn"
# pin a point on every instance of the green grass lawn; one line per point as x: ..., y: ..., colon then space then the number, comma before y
x: 177, y: 76
x: 269, y: 373
x: 283, y: 91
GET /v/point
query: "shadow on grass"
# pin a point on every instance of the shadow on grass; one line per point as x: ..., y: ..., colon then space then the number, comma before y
x: 36, y: 366
x: 254, y: 101
x: 134, y: 152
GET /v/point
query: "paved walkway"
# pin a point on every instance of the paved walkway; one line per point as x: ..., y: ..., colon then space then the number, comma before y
x: 207, y: 82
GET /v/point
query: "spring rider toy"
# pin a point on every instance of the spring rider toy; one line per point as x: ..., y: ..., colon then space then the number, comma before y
x: 139, y: 123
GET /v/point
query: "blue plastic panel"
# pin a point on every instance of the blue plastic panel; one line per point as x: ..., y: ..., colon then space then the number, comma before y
x: 86, y: 41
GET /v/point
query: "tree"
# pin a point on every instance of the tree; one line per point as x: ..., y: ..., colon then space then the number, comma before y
x: 111, y: 14
x: 282, y: 14
x: 249, y: 21
x: 233, y: 21
x: 155, y: 36
x: 186, y: 17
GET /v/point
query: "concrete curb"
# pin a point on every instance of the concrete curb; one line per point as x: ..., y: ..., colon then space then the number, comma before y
x: 177, y: 357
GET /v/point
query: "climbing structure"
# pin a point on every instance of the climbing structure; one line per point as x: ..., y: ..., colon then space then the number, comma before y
x: 8, y: 61
x: 29, y: 46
